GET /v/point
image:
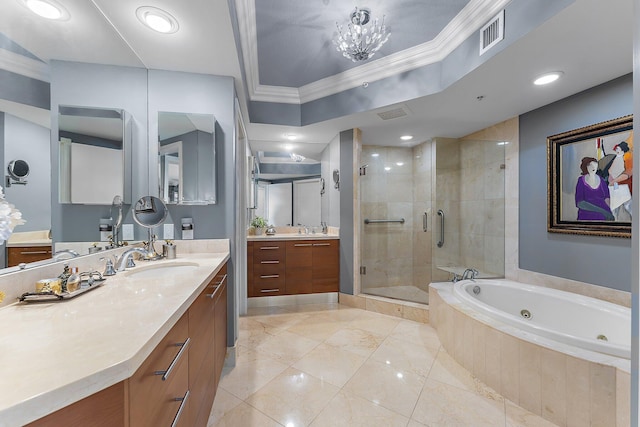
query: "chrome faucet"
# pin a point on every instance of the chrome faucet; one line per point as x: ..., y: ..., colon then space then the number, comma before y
x: 58, y: 255
x: 470, y: 273
x: 325, y: 229
x: 126, y: 259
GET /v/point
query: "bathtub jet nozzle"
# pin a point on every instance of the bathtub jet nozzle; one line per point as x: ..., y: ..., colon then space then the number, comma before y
x: 525, y: 313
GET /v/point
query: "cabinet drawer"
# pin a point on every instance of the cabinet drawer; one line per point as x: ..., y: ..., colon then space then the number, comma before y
x: 17, y: 255
x: 147, y: 389
x: 171, y: 401
x: 261, y: 270
x: 268, y: 284
x: 268, y: 251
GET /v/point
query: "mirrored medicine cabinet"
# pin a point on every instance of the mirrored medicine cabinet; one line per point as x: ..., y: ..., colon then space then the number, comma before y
x: 186, y: 158
x: 93, y: 155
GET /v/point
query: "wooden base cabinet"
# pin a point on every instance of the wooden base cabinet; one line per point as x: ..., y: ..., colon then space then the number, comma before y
x: 293, y: 267
x: 175, y: 385
x: 268, y: 268
x: 27, y: 254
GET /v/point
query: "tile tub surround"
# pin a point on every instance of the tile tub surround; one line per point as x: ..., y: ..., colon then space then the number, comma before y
x: 563, y: 384
x: 344, y: 366
x: 62, y: 352
x: 391, y: 307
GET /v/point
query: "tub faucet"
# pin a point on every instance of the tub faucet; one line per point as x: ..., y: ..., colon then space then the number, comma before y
x: 470, y: 273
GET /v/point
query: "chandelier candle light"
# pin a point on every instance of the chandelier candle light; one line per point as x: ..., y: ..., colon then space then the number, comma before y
x: 360, y: 42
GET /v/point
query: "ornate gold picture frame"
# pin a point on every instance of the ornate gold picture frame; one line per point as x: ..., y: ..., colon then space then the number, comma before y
x: 589, y: 178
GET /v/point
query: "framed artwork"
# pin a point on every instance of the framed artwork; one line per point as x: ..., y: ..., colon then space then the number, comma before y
x: 589, y: 177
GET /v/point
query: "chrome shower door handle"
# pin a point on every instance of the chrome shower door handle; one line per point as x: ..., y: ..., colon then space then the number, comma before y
x: 424, y: 222
x: 441, y: 215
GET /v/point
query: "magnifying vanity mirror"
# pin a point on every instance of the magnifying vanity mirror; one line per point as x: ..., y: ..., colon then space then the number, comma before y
x: 92, y: 155
x: 18, y: 172
x: 150, y: 212
x: 187, y: 139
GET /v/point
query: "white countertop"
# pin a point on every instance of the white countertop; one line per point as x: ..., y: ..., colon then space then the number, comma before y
x: 294, y: 236
x: 29, y: 238
x: 54, y: 354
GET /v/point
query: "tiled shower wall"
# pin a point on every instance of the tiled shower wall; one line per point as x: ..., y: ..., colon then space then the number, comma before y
x: 470, y: 182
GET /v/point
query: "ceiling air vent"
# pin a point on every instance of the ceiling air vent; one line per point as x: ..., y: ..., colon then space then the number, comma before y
x: 393, y: 114
x: 492, y: 32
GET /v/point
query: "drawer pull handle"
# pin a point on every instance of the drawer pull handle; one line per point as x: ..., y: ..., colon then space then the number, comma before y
x: 222, y: 280
x: 301, y: 244
x: 269, y: 262
x: 210, y: 295
x: 268, y: 248
x: 322, y: 244
x: 34, y: 252
x: 183, y: 346
x: 180, y: 409
x: 270, y: 276
x: 264, y: 291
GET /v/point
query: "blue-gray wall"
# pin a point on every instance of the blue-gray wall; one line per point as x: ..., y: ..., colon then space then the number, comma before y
x: 101, y: 86
x: 30, y: 142
x: 598, y: 260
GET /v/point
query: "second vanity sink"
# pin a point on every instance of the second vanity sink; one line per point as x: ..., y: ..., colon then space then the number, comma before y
x: 161, y: 269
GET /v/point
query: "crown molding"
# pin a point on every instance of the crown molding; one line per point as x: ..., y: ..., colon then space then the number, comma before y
x: 19, y: 64
x: 475, y: 14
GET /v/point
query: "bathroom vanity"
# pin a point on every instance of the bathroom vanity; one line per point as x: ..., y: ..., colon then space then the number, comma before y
x: 143, y: 349
x: 28, y: 247
x: 292, y: 264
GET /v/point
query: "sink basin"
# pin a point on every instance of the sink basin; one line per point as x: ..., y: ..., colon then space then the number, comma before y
x: 161, y: 270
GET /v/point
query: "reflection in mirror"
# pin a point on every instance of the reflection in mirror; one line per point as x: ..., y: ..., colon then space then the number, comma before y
x: 18, y: 172
x: 288, y: 187
x: 87, y: 135
x: 116, y: 220
x: 187, y: 139
x: 150, y: 212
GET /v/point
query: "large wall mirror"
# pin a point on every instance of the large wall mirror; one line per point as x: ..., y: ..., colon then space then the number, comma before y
x: 186, y: 158
x: 92, y: 147
x: 287, y: 187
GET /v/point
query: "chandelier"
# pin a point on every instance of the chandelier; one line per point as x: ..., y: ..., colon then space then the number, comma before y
x: 360, y: 42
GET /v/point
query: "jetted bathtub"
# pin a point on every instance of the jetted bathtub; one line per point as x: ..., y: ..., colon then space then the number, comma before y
x: 565, y: 317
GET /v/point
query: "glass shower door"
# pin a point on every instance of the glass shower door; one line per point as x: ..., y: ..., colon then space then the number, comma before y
x: 469, y: 204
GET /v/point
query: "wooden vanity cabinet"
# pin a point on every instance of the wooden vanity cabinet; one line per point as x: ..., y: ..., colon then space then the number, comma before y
x: 268, y: 262
x: 162, y: 378
x: 326, y: 266
x: 208, y: 329
x: 192, y: 354
x: 27, y: 254
x: 293, y: 267
x: 299, y: 271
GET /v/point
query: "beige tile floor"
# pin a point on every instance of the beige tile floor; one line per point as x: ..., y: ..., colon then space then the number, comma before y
x: 332, y: 365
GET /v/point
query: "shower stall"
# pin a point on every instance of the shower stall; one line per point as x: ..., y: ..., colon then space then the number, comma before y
x: 429, y: 212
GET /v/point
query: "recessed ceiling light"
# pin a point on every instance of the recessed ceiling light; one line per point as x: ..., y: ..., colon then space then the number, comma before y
x: 502, y: 143
x: 157, y: 19
x: 400, y: 163
x: 48, y: 9
x: 547, y: 78
x: 288, y: 147
x: 291, y: 136
x: 387, y: 168
x: 406, y: 137
x: 375, y: 154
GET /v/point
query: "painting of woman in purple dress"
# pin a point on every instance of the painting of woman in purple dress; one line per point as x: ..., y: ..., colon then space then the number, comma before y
x: 592, y: 193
